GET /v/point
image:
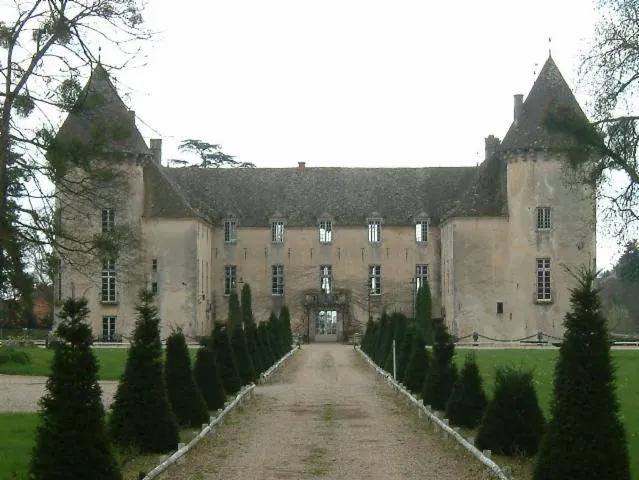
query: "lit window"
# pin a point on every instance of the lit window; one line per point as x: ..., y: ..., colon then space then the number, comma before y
x: 375, y: 279
x: 421, y: 276
x: 108, y: 220
x: 277, y: 231
x: 326, y: 278
x: 109, y: 331
x: 108, y: 281
x: 543, y: 280
x: 230, y: 230
x: 421, y: 231
x: 325, y: 231
x: 230, y: 279
x: 374, y: 231
x: 544, y: 221
x: 277, y: 279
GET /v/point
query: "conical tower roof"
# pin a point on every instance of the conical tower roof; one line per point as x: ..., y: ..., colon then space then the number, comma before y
x: 549, y: 94
x: 101, y: 119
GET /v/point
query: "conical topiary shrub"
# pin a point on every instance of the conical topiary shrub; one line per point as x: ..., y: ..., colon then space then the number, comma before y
x: 225, y: 358
x: 242, y: 356
x: 141, y: 418
x: 186, y: 399
x: 254, y: 348
x: 275, y: 338
x: 585, y: 438
x: 418, y: 365
x: 247, y: 306
x: 383, y: 332
x: 287, y: 332
x: 513, y: 423
x: 207, y: 377
x: 404, y: 353
x: 442, y: 373
x: 399, y: 322
x: 423, y: 313
x: 367, y: 337
x: 467, y: 402
x: 71, y: 440
x: 235, y: 312
x: 264, y: 336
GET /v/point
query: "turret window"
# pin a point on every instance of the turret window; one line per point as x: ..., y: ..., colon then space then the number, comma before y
x: 544, y: 220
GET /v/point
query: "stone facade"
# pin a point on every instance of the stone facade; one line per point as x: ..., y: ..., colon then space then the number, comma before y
x: 494, y: 241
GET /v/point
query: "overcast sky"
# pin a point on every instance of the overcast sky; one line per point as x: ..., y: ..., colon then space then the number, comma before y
x: 351, y: 82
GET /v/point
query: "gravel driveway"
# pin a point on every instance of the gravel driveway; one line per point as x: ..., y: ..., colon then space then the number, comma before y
x: 20, y: 393
x: 326, y: 415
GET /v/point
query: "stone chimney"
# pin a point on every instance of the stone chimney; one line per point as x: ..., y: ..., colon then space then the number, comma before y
x: 156, y: 150
x: 491, y: 146
x: 301, y: 165
x: 519, y: 106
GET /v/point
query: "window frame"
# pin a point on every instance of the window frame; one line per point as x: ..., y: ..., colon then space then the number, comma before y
x: 421, y: 274
x: 543, y: 220
x: 326, y: 278
x: 375, y: 280
x: 422, y: 227
x: 277, y: 280
x: 108, y: 220
x: 230, y: 230
x: 374, y: 230
x: 277, y: 231
x: 154, y: 264
x: 230, y: 279
x: 543, y: 280
x: 108, y: 282
x: 325, y: 227
x: 111, y: 330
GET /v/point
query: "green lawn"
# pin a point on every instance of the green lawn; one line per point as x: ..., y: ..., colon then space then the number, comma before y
x: 16, y: 443
x: 542, y: 361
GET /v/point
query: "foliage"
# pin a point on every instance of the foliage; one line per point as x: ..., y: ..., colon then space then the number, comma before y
x: 585, y: 437
x: 185, y: 397
x: 378, y: 342
x: 467, y: 401
x: 275, y: 338
x: 404, y: 353
x: 141, y: 418
x: 225, y: 358
x: 286, y: 334
x: 207, y: 377
x: 255, y: 351
x: 247, y: 305
x: 620, y: 302
x: 264, y: 337
x: 11, y: 355
x: 211, y: 154
x: 366, y: 339
x: 424, y: 313
x: 385, y: 339
x: 442, y: 373
x: 418, y: 364
x: 245, y: 366
x: 399, y: 323
x: 71, y: 440
x: 44, y: 48
x: 513, y: 423
x: 235, y: 312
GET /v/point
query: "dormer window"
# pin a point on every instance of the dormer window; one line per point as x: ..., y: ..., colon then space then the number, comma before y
x: 374, y: 230
x: 277, y: 231
x: 325, y: 231
x: 421, y: 230
x: 230, y: 230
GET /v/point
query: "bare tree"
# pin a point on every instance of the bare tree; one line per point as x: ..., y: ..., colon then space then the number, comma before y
x: 46, y: 46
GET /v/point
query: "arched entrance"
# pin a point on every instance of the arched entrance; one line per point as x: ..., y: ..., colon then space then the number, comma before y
x: 326, y: 326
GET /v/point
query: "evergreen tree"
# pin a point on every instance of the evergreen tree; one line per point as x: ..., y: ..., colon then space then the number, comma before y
x: 287, y: 332
x: 254, y: 348
x: 386, y: 340
x: 264, y: 335
x: 245, y: 366
x: 467, y: 401
x: 404, y: 353
x: 418, y: 365
x: 186, y: 399
x: 141, y: 417
x: 247, y: 306
x: 513, y: 423
x: 71, y: 440
x: 366, y: 339
x: 423, y: 313
x: 274, y: 336
x: 225, y: 358
x: 585, y: 437
x: 442, y: 373
x: 399, y: 322
x: 207, y: 376
x: 381, y: 330
x: 235, y: 312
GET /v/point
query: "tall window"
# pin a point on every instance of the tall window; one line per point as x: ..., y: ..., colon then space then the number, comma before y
x: 421, y: 276
x: 543, y: 280
x: 326, y: 278
x: 277, y: 279
x: 277, y: 231
x: 109, y: 330
x: 544, y: 221
x: 154, y: 265
x: 154, y: 288
x: 375, y: 279
x: 230, y: 279
x: 108, y: 281
x: 230, y: 230
x: 325, y: 231
x: 374, y: 231
x: 108, y: 220
x: 421, y: 231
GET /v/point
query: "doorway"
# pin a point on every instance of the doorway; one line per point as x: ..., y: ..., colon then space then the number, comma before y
x: 326, y: 326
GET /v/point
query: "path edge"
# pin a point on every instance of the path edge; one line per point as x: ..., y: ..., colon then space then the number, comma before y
x: 494, y: 469
x: 245, y: 391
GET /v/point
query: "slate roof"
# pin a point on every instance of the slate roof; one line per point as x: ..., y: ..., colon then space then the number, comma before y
x: 549, y: 93
x: 302, y: 195
x: 101, y: 119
